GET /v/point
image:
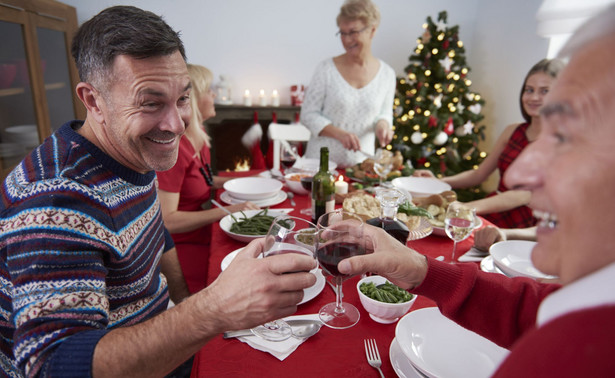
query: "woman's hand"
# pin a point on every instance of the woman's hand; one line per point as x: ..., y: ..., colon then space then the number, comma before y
x: 485, y: 237
x: 349, y: 140
x: 384, y: 132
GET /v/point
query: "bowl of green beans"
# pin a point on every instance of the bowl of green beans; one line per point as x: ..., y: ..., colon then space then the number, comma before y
x: 384, y: 301
x: 247, y: 225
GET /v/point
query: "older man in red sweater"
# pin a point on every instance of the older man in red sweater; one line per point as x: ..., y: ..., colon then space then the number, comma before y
x: 555, y: 330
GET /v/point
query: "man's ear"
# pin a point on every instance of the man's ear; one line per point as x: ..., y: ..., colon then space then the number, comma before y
x: 92, y: 100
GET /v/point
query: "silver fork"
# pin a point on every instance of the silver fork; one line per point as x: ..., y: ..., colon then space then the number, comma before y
x: 372, y: 354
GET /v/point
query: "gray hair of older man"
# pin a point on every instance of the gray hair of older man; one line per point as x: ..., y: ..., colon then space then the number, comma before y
x: 598, y: 26
x: 121, y: 30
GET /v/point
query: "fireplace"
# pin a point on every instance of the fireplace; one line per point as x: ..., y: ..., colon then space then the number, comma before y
x: 229, y: 125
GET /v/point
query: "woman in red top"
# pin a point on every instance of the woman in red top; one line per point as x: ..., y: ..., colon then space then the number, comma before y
x: 183, y: 189
x: 507, y: 208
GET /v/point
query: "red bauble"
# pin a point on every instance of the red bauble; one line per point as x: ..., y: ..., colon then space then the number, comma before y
x: 433, y: 121
x: 445, y: 44
x: 449, y: 128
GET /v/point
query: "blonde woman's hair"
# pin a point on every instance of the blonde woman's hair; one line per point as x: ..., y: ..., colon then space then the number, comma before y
x: 362, y: 10
x: 201, y: 79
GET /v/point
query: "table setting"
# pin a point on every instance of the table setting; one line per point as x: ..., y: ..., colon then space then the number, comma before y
x: 317, y: 350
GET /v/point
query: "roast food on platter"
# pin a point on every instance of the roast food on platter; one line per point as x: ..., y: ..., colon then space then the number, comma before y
x: 364, y: 171
x: 436, y: 205
x: 367, y: 207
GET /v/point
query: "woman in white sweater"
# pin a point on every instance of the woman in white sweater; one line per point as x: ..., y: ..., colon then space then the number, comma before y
x: 349, y: 101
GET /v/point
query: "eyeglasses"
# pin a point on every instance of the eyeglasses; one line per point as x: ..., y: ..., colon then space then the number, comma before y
x: 352, y: 33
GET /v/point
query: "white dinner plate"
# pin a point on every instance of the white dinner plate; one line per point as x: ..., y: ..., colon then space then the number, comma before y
x: 401, y: 364
x: 227, y: 222
x: 513, y: 257
x: 487, y: 265
x: 308, y: 294
x: 439, y: 347
x: 440, y: 230
x: 421, y: 186
x: 276, y: 199
x: 253, y: 188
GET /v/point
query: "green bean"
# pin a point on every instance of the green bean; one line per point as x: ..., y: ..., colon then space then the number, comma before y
x: 386, y: 292
x: 258, y: 224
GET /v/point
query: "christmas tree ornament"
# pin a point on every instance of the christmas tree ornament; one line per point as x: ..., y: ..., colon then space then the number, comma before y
x: 449, y: 128
x: 476, y: 108
x: 416, y: 137
x: 433, y: 121
x: 446, y: 63
x: 440, y: 139
x: 438, y: 101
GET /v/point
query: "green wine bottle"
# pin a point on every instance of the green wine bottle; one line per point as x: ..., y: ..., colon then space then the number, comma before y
x: 323, y: 188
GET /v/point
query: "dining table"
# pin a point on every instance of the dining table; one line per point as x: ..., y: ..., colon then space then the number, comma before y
x: 330, y: 352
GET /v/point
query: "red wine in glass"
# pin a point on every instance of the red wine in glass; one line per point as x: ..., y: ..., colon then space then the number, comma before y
x: 288, y: 162
x: 393, y: 227
x: 330, y: 255
x: 306, y: 182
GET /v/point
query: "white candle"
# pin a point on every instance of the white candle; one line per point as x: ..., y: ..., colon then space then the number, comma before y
x: 247, y: 99
x: 262, y: 100
x: 275, y: 98
x: 341, y: 186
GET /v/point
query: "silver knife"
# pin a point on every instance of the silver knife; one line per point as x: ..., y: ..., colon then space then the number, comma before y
x: 247, y: 332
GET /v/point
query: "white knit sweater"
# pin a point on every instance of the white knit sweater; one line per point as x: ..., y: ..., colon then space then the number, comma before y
x: 329, y: 99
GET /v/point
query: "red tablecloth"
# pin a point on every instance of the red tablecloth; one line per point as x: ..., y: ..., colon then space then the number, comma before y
x: 329, y: 353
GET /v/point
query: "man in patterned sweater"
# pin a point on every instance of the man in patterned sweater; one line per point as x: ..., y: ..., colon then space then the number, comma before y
x: 552, y: 330
x: 84, y: 255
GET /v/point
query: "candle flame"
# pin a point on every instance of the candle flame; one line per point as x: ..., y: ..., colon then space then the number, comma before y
x: 341, y: 178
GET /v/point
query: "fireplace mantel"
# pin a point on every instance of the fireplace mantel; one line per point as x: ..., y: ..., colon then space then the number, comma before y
x: 232, y: 121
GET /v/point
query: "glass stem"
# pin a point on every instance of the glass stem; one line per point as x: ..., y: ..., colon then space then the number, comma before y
x: 339, y: 309
x: 454, y: 249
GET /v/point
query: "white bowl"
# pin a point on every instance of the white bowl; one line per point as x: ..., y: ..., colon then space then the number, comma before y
x: 295, y: 185
x: 227, y: 222
x: 252, y: 188
x: 382, y: 312
x: 513, y: 257
x: 421, y: 186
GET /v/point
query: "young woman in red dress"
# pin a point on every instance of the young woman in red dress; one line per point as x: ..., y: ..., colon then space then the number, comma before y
x: 507, y: 208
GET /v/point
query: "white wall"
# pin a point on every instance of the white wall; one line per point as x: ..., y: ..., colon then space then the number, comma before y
x: 273, y: 44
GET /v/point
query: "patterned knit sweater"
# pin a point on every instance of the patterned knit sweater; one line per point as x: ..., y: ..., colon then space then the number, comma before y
x: 81, y: 242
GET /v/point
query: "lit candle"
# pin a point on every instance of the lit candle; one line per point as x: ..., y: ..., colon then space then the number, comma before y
x: 247, y: 99
x: 341, y: 186
x: 275, y: 98
x: 262, y: 100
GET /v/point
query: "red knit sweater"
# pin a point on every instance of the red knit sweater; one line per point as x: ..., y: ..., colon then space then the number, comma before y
x: 577, y: 344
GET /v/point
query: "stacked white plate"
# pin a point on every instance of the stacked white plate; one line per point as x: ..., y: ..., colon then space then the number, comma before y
x: 513, y: 258
x: 429, y: 344
x: 258, y: 190
x: 26, y: 135
x: 421, y: 186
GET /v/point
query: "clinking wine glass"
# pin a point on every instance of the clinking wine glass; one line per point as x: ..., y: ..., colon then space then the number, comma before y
x: 287, y: 234
x: 459, y: 223
x: 340, y: 236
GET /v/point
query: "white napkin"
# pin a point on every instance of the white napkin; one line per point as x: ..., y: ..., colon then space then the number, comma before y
x: 473, y: 254
x: 279, y: 349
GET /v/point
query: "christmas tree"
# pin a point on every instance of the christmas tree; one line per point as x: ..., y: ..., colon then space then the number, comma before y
x: 436, y: 113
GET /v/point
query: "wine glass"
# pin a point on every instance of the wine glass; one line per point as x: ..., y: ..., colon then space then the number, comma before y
x: 306, y: 183
x: 459, y: 222
x: 287, y: 234
x: 340, y: 236
x: 383, y: 164
x: 288, y: 155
